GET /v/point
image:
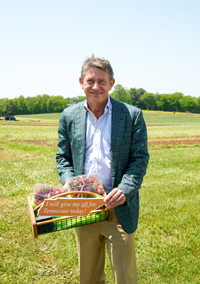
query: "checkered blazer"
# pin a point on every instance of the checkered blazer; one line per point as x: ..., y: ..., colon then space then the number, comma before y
x: 129, y: 153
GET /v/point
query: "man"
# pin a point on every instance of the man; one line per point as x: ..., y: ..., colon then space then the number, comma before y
x: 109, y: 137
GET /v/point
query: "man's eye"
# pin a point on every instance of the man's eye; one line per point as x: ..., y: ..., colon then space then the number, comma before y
x: 89, y: 81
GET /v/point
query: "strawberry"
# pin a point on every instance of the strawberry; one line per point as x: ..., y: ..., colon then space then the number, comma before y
x: 87, y: 188
x: 87, y: 180
x: 76, y: 184
x: 99, y: 190
x: 46, y: 196
x: 55, y: 189
x: 39, y: 191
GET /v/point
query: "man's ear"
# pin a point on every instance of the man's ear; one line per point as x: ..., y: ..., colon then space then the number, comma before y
x: 112, y: 82
x: 81, y: 82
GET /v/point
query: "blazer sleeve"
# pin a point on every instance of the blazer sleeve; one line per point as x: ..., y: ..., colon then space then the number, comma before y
x: 64, y: 155
x: 138, y: 159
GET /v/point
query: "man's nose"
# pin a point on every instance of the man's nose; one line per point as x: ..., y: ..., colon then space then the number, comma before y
x: 96, y: 86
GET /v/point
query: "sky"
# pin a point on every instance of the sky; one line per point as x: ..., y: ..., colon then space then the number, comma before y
x: 154, y: 45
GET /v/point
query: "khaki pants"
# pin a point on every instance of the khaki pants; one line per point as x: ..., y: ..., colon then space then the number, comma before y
x: 91, y: 241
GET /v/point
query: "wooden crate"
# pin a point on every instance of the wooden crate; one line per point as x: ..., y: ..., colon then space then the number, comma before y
x: 43, y: 225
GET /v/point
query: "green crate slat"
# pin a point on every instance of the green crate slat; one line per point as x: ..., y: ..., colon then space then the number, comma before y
x: 72, y: 222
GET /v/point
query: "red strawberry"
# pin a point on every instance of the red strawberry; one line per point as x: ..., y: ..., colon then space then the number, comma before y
x: 87, y: 188
x: 39, y: 191
x: 99, y: 189
x: 46, y: 196
x: 86, y: 180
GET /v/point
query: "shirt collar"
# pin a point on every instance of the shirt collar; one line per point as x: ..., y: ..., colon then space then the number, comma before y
x: 108, y: 107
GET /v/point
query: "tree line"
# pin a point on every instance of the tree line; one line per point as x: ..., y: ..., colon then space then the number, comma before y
x: 35, y: 105
x: 140, y: 98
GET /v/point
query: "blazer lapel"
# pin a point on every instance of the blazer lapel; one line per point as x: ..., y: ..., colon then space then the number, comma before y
x: 117, y: 130
x: 80, y: 130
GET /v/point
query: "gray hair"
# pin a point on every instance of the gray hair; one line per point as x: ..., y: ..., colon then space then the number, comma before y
x: 97, y: 62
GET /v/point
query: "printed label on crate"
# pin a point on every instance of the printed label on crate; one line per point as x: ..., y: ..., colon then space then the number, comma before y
x: 69, y: 206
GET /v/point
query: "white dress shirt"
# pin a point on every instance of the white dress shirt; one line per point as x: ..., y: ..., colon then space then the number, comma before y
x: 98, y: 145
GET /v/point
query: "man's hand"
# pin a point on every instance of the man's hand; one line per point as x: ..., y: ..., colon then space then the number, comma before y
x: 114, y: 198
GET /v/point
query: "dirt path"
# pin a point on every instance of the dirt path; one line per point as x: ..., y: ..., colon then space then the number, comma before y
x: 173, y: 142
x: 162, y: 141
x: 34, y: 142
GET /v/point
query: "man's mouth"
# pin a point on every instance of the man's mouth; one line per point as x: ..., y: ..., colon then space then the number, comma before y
x: 93, y: 93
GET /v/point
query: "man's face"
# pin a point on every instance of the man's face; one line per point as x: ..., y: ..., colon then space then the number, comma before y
x: 96, y: 86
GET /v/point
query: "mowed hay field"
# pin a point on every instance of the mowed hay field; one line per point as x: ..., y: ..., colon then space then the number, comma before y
x: 168, y: 236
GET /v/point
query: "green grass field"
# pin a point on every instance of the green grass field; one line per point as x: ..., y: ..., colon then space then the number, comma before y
x: 168, y: 236
x: 151, y: 117
x: 167, y: 118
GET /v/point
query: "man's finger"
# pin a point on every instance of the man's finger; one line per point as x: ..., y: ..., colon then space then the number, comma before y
x: 114, y: 198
